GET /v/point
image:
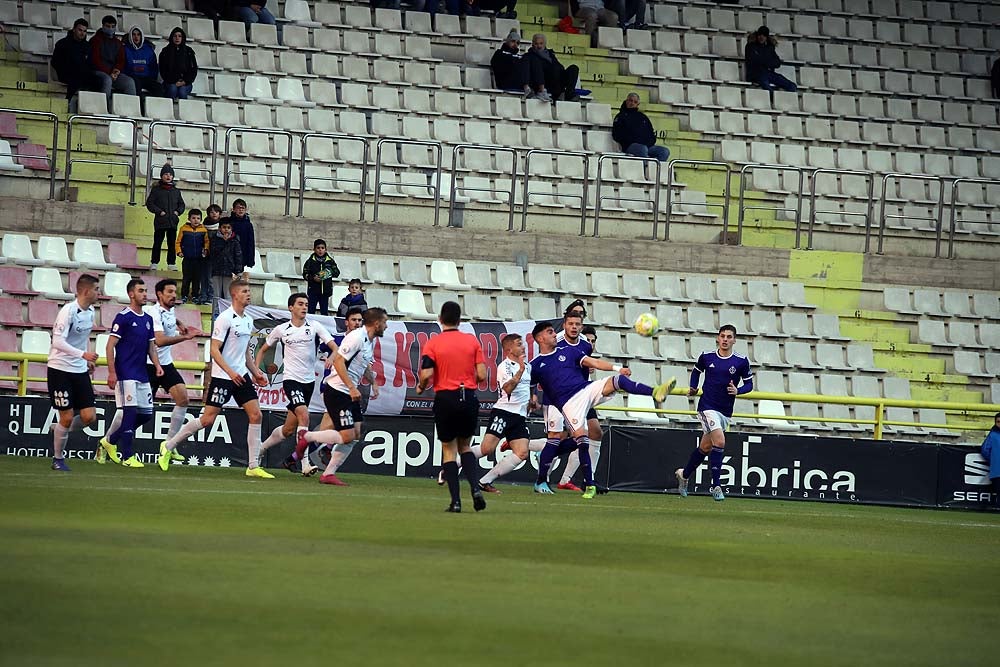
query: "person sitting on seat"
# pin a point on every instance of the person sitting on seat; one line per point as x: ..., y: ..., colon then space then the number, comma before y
x: 634, y: 131
x: 547, y: 79
x: 107, y: 55
x: 762, y: 60
x: 508, y: 64
x: 71, y: 62
x: 140, y: 62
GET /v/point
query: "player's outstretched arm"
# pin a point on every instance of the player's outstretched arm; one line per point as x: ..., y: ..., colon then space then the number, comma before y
x: 602, y: 365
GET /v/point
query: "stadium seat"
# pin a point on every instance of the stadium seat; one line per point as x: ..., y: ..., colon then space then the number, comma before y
x: 772, y: 408
x: 36, y: 342
x: 53, y: 251
x: 48, y: 282
x: 410, y: 303
x: 10, y: 312
x: 382, y: 270
x: 17, y: 249
x: 276, y: 294
x: 90, y: 254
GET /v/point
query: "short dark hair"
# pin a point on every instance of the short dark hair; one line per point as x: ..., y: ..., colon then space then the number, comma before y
x: 577, y: 303
x: 510, y: 339
x: 588, y: 330
x: 540, y: 327
x: 225, y: 221
x: 130, y: 285
x: 374, y: 314
x: 162, y: 285
x: 195, y: 211
x: 728, y: 327
x: 82, y: 22
x: 292, y: 298
x: 214, y: 207
x: 571, y: 315
x: 319, y: 242
x: 109, y: 18
x: 86, y: 280
x: 355, y: 310
x: 240, y: 202
x: 451, y: 313
x: 353, y: 281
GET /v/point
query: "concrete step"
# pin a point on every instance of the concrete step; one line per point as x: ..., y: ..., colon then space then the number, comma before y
x: 909, y: 363
x: 868, y: 332
x: 953, y: 392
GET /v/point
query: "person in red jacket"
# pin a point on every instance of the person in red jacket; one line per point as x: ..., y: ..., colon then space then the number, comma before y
x: 107, y: 56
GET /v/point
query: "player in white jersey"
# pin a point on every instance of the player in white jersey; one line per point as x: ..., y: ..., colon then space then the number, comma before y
x: 233, y: 376
x: 298, y: 349
x: 168, y: 332
x: 508, y: 420
x: 70, y: 365
x: 342, y: 397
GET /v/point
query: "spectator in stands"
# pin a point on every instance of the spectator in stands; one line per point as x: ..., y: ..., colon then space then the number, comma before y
x: 547, y: 79
x: 461, y: 7
x: 107, y: 55
x: 166, y: 204
x: 192, y: 247
x: 212, y: 216
x: 178, y: 66
x: 991, y: 452
x: 140, y: 63
x: 243, y: 228
x: 762, y: 60
x: 226, y: 258
x: 508, y: 64
x: 213, y: 9
x: 253, y: 11
x: 319, y: 271
x: 995, y: 79
x: 634, y: 131
x: 71, y: 62
x: 593, y: 13
x: 504, y: 8
x: 355, y: 298
x: 634, y: 12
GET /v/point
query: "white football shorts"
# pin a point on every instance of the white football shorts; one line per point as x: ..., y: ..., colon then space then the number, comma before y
x: 576, y: 408
x: 134, y: 394
x: 712, y: 420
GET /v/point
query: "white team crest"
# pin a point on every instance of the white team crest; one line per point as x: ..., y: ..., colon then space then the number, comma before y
x: 732, y: 370
x: 562, y: 358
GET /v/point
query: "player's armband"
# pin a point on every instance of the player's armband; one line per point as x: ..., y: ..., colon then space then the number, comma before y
x: 426, y: 362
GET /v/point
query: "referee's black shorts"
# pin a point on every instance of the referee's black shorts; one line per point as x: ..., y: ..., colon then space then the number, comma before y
x: 456, y: 414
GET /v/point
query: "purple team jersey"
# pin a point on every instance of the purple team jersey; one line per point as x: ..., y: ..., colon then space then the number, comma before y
x: 719, y: 371
x: 132, y: 351
x: 558, y: 373
x: 581, y: 344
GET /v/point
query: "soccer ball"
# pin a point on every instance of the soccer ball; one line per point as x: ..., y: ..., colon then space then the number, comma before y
x: 646, y: 324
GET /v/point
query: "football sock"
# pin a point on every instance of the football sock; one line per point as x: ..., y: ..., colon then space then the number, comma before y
x: 127, y: 422
x: 715, y: 463
x: 330, y: 437
x: 177, y: 416
x: 583, y: 447
x: 253, y: 445
x: 545, y: 459
x: 630, y: 386
x: 697, y: 456
x: 116, y: 423
x: 537, y: 445
x: 337, y: 458
x: 186, y: 432
x: 60, y: 435
x: 572, y: 464
x: 566, y: 446
x: 477, y: 450
x: 595, y: 453
x: 275, y: 438
x: 470, y: 468
x: 506, y: 465
x: 451, y: 476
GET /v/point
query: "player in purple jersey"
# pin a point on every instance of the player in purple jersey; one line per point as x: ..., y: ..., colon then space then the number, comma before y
x: 557, y: 371
x: 727, y: 375
x: 130, y: 344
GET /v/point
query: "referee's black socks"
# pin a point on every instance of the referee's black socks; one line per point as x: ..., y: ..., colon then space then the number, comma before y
x: 470, y: 466
x: 451, y: 476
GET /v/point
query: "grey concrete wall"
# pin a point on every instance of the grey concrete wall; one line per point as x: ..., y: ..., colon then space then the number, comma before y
x: 69, y: 219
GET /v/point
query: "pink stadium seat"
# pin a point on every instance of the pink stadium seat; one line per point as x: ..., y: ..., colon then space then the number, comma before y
x: 108, y: 313
x: 10, y: 313
x: 124, y: 255
x: 8, y: 127
x: 33, y: 156
x: 36, y: 370
x: 186, y: 351
x: 190, y: 317
x: 8, y: 341
x: 42, y: 312
x: 14, y: 280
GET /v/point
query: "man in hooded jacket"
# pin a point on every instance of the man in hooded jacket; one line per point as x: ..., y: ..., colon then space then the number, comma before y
x: 634, y: 131
x: 140, y: 62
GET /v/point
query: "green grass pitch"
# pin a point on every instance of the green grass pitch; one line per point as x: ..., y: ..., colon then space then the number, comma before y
x: 109, y: 566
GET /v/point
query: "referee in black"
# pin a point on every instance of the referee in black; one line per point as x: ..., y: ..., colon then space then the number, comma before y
x: 455, y: 362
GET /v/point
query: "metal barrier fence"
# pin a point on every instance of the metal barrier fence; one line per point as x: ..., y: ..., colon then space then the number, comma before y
x: 867, y: 175
x: 878, y: 421
x: 54, y: 120
x: 697, y: 164
x: 133, y: 157
x: 213, y: 130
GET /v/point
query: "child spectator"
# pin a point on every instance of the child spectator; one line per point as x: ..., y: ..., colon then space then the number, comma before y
x: 140, y: 62
x: 192, y: 246
x: 213, y: 214
x: 243, y: 228
x: 319, y: 271
x: 355, y: 297
x: 166, y: 204
x: 226, y: 258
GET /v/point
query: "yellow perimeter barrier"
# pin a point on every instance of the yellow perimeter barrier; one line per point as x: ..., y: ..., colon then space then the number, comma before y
x: 964, y: 409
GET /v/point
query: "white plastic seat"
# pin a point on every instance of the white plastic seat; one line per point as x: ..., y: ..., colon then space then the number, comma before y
x: 90, y: 253
x: 276, y: 294
x: 775, y: 409
x: 17, y: 249
x: 48, y: 282
x: 53, y: 251
x: 411, y: 303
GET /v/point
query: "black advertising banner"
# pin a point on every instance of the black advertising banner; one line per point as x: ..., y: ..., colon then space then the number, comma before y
x: 963, y: 479
x: 781, y: 466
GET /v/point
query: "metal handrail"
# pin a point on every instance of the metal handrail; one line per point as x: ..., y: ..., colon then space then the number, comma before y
x: 288, y: 166
x: 131, y: 164
x: 670, y: 193
x: 598, y: 198
x: 869, y: 176
x: 54, y: 119
x: 743, y: 182
x: 461, y: 148
x: 362, y: 192
x: 213, y: 129
x: 438, y: 151
x: 881, y: 214
x: 526, y: 193
x: 954, y: 202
